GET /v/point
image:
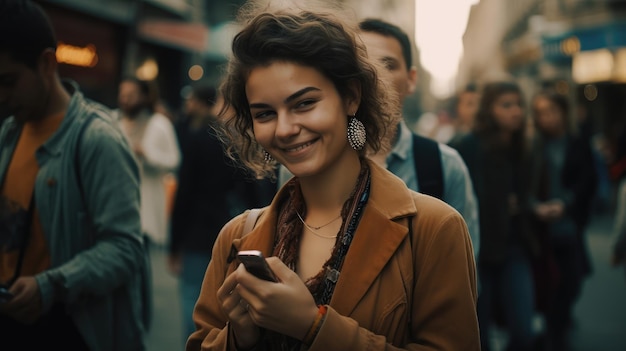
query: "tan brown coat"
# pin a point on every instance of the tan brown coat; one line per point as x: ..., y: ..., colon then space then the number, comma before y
x: 394, y: 293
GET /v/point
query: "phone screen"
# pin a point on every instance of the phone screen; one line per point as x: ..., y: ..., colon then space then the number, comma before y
x: 255, y: 263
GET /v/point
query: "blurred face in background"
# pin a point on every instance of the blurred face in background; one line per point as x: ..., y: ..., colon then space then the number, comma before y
x: 196, y: 108
x: 130, y: 98
x: 549, y: 118
x: 388, y: 51
x: 24, y: 91
x: 467, y: 107
x: 508, y: 112
x: 192, y: 105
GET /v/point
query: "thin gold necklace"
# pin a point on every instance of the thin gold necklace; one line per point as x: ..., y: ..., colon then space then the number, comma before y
x: 315, y: 229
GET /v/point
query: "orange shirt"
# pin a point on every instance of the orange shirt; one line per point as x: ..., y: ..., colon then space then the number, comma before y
x: 16, y: 193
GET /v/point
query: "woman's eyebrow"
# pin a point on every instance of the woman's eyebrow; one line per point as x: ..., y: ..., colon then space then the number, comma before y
x: 290, y: 98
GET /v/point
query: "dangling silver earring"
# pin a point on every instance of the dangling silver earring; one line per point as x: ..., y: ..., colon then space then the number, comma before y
x: 356, y: 133
x: 267, y: 157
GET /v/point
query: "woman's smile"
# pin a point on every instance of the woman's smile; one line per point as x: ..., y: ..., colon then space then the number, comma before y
x: 296, y: 149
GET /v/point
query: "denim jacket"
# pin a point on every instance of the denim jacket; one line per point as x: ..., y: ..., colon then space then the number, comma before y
x: 95, y: 245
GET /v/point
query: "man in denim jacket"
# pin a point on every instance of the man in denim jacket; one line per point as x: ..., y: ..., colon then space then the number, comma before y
x: 71, y: 250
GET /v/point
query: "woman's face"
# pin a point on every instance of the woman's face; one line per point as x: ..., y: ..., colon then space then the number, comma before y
x: 299, y: 117
x: 467, y: 107
x: 548, y: 116
x: 508, y: 112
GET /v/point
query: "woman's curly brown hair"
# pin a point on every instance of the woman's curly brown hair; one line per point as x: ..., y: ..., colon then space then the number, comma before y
x: 315, y: 39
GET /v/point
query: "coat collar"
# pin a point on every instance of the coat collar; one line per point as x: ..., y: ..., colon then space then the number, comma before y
x: 377, y: 236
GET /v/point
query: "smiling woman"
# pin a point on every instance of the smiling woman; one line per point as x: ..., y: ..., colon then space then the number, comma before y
x: 301, y: 89
x: 302, y: 122
x: 346, y: 68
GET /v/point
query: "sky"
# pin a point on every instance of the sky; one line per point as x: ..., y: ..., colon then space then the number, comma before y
x: 439, y: 28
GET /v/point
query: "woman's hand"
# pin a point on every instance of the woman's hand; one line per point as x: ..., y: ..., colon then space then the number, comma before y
x: 286, y: 307
x: 246, y: 332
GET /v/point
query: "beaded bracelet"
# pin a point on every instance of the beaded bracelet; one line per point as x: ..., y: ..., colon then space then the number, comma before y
x: 315, y: 327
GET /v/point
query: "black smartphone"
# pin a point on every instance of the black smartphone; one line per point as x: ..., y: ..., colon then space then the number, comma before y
x: 255, y: 263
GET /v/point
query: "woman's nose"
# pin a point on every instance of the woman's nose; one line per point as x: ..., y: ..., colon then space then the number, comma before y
x: 286, y: 125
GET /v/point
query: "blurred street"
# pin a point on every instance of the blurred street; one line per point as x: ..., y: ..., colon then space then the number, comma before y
x: 166, y: 331
x: 600, y: 313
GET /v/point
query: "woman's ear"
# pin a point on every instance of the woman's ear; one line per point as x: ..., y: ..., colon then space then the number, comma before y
x: 353, y: 99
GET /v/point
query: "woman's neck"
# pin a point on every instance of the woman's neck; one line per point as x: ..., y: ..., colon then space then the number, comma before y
x: 327, y: 191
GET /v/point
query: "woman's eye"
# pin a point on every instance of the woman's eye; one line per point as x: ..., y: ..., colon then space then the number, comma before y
x: 263, y: 114
x: 305, y: 104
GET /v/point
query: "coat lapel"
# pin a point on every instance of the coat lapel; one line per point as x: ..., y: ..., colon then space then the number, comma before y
x: 376, y: 239
x: 375, y: 242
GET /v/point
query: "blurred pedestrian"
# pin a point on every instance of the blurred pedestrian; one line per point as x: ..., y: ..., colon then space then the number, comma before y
x: 362, y: 261
x: 563, y: 184
x: 153, y: 141
x: 413, y: 158
x: 617, y: 167
x: 586, y: 130
x: 211, y: 188
x: 464, y: 106
x: 198, y: 106
x: 496, y: 153
x: 71, y: 251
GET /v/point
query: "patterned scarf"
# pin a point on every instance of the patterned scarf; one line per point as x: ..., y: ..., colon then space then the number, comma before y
x: 289, y: 232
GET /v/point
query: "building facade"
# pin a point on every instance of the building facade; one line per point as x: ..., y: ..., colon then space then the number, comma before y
x: 577, y: 47
x: 178, y: 42
x: 101, y: 41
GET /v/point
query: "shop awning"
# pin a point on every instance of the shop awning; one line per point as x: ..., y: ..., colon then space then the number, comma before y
x: 181, y: 35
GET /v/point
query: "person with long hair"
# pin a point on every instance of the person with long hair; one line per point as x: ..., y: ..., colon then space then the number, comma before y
x: 362, y: 262
x: 563, y: 185
x: 463, y: 108
x: 496, y: 155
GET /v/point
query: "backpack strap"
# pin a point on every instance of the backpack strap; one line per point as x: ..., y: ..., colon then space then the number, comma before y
x: 251, y: 220
x: 428, y: 167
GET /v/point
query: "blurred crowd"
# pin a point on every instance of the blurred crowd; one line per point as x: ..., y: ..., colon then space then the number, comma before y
x: 526, y: 173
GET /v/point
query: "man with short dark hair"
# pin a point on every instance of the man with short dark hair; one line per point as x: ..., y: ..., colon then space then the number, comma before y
x: 391, y: 46
x: 71, y: 250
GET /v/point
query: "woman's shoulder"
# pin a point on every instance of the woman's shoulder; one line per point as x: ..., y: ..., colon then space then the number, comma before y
x: 435, y: 217
x: 438, y: 232
x: 429, y: 207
